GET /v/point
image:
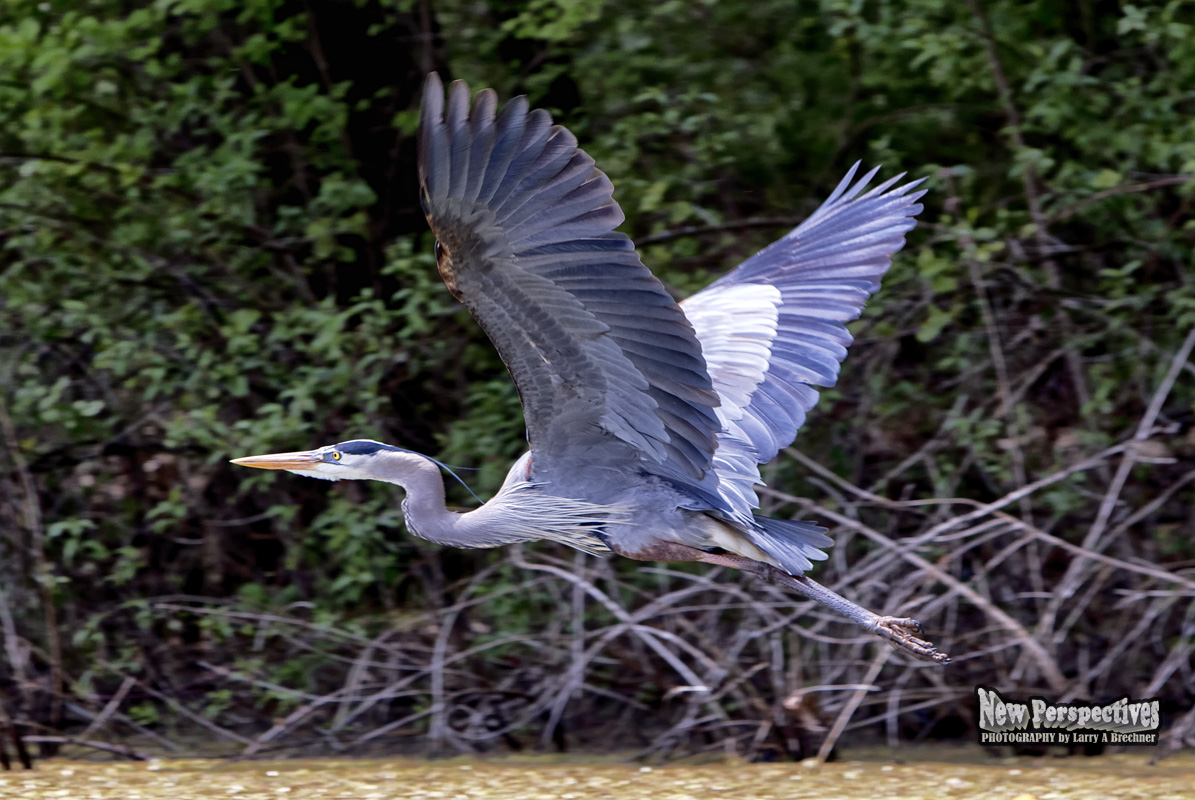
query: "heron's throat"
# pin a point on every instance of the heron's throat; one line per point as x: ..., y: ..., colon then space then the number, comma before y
x: 424, y: 506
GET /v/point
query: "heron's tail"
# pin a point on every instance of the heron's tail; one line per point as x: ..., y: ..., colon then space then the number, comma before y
x: 794, y: 544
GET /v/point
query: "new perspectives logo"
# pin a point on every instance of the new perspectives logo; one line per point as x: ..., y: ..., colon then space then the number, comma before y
x: 1041, y: 722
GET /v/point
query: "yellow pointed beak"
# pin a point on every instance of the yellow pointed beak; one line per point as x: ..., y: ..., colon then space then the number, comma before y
x: 302, y: 461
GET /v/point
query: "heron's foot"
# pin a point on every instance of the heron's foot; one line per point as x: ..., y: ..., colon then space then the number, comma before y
x: 900, y: 631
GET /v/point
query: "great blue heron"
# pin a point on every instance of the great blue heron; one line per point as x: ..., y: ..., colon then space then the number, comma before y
x: 647, y: 420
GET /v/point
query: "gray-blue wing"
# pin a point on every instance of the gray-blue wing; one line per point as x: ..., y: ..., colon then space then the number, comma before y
x: 607, y: 366
x: 775, y: 327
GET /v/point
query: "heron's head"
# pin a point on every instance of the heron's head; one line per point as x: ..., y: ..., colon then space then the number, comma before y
x: 355, y: 460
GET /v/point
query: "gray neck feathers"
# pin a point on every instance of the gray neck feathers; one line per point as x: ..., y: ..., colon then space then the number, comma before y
x: 424, y: 507
x: 426, y: 514
x: 518, y: 513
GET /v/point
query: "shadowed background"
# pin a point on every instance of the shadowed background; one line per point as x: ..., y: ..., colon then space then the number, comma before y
x: 212, y: 246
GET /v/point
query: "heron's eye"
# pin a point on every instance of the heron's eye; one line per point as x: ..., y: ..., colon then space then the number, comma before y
x: 335, y: 456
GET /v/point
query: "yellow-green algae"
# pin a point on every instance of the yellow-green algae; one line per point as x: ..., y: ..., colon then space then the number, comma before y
x: 1127, y: 775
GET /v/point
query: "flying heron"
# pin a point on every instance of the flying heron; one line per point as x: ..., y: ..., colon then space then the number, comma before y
x: 647, y: 420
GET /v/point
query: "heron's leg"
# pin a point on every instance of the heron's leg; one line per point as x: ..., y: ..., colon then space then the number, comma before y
x: 899, y: 631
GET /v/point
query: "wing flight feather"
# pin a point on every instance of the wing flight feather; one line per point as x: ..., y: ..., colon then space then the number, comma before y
x: 775, y: 327
x: 606, y: 364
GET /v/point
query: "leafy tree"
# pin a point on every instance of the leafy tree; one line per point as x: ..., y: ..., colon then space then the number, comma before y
x: 212, y: 246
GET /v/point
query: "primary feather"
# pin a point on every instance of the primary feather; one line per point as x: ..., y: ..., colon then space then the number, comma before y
x: 608, y: 367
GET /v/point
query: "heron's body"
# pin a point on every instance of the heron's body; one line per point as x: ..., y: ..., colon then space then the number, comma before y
x: 647, y: 420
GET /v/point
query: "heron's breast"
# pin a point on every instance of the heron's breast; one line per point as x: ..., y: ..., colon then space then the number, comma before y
x: 668, y: 537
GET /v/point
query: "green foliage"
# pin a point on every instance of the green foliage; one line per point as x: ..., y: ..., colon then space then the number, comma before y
x: 212, y: 247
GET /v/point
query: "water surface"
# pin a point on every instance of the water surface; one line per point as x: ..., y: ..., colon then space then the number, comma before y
x: 972, y: 774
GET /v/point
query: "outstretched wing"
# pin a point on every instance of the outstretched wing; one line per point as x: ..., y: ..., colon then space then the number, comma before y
x: 775, y: 327
x: 607, y: 366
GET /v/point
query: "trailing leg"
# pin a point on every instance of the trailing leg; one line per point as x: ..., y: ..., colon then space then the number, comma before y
x: 899, y: 631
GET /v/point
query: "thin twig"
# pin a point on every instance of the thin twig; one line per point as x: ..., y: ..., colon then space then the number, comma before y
x: 118, y: 749
x: 1092, y: 541
x: 43, y: 571
x: 703, y: 230
x: 110, y: 708
x: 1127, y: 188
x: 882, y: 654
x: 1032, y: 189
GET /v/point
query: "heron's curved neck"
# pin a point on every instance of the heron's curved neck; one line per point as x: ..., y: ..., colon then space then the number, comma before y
x: 424, y: 506
x: 518, y: 513
x: 426, y: 514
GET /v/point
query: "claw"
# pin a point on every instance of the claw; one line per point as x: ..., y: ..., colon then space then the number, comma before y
x: 902, y: 622
x: 900, y: 632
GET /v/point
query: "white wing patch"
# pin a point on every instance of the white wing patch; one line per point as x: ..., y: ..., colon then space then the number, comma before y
x: 736, y: 327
